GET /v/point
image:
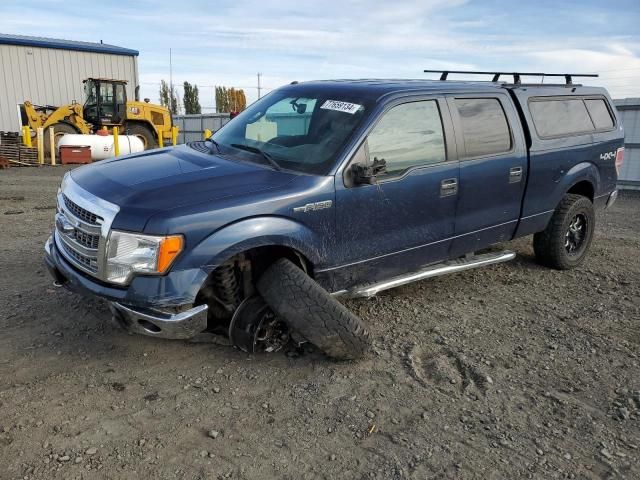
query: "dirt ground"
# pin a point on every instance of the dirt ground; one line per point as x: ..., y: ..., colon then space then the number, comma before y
x: 513, y: 371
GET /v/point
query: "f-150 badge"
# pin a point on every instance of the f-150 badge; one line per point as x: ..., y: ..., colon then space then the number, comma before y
x: 312, y: 207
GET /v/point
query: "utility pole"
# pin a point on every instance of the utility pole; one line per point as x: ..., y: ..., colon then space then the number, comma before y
x: 259, y: 75
x: 170, y: 72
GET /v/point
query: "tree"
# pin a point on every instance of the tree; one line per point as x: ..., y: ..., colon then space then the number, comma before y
x: 230, y: 100
x: 168, y: 97
x: 190, y: 99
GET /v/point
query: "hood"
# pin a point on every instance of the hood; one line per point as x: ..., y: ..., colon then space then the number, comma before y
x: 145, y: 184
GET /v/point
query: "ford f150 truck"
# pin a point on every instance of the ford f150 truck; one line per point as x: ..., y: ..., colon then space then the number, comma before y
x: 330, y: 188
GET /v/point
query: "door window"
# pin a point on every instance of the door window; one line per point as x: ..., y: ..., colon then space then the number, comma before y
x: 484, y: 126
x: 106, y: 102
x: 408, y: 135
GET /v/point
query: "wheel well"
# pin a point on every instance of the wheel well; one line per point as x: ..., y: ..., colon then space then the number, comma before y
x: 583, y: 188
x: 234, y: 279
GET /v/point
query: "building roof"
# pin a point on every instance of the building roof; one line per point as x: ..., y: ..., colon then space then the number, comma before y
x: 43, y: 42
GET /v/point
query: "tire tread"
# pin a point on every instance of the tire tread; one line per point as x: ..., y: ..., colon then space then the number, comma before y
x: 310, y: 310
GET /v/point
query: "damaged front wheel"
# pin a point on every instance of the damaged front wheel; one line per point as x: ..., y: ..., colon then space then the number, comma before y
x: 312, y: 312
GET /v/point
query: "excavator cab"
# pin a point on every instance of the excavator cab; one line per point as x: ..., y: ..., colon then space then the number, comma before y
x: 105, y: 101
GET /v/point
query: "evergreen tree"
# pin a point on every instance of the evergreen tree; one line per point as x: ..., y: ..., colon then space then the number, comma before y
x: 168, y: 97
x: 191, y: 100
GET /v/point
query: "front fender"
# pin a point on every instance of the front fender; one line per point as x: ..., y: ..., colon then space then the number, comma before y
x: 252, y: 233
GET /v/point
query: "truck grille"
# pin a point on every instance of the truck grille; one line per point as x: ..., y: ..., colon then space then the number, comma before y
x: 83, y: 223
x: 89, y: 263
x: 86, y: 239
x: 81, y: 213
x: 78, y: 233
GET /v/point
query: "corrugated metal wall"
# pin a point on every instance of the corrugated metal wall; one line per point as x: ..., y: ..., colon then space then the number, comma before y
x: 192, y: 126
x: 48, y: 76
x: 629, y: 109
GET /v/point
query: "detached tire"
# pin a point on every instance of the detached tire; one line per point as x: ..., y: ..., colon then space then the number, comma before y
x: 313, y: 312
x: 566, y: 240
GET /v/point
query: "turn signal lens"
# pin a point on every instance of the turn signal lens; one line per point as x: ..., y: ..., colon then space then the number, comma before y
x: 170, y: 247
x: 619, y: 159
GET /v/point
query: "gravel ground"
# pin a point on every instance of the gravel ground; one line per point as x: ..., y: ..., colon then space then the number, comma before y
x: 513, y: 371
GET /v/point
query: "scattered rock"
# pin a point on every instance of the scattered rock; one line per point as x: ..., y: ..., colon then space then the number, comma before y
x: 91, y: 451
x: 213, y: 434
x: 623, y: 413
x: 118, y: 387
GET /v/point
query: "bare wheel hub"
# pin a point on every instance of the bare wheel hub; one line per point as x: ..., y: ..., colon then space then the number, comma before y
x: 255, y: 328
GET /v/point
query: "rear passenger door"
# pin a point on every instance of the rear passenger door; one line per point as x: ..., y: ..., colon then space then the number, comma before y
x: 493, y: 170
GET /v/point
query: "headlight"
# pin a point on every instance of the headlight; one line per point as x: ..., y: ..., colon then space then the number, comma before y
x: 130, y: 253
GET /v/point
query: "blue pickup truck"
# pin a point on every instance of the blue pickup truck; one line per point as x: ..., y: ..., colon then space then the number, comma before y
x: 335, y: 188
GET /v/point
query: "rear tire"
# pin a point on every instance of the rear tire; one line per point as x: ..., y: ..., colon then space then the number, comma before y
x: 313, y: 312
x: 144, y: 133
x: 566, y: 240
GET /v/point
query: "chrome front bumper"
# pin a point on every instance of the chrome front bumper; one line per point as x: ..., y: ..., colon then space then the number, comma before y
x: 154, y: 323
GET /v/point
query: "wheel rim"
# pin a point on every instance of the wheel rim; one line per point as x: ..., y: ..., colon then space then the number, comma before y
x: 255, y: 328
x: 576, y: 235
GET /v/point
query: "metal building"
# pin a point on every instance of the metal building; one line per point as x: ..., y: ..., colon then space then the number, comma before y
x: 629, y: 109
x: 47, y: 71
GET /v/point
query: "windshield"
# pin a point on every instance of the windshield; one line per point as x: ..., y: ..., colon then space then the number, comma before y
x: 302, y: 132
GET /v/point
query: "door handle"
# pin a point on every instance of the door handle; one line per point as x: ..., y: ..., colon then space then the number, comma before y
x: 515, y: 174
x: 448, y: 187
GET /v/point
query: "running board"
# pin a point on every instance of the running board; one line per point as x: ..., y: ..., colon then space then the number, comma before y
x: 452, y: 266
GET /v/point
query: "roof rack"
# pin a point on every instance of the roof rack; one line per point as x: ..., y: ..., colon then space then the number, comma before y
x: 568, y: 77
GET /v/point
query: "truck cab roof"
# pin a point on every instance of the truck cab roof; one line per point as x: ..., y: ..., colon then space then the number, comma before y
x: 378, y: 88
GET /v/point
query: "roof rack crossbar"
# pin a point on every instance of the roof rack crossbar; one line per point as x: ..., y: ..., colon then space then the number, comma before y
x: 568, y: 77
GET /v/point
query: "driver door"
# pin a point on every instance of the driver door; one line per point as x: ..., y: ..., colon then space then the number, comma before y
x: 407, y: 218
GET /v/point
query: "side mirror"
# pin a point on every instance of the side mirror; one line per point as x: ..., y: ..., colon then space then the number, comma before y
x: 368, y: 174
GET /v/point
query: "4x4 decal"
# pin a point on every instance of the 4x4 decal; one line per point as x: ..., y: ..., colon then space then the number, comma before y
x: 608, y: 155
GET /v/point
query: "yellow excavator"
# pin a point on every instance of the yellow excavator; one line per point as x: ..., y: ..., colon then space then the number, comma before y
x: 105, y: 105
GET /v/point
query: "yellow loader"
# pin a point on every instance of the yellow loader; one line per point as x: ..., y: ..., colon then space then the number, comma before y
x: 105, y: 105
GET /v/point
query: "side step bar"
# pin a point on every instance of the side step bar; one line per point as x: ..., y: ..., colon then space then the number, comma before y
x: 452, y: 266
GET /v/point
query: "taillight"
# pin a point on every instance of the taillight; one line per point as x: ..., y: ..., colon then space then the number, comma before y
x: 619, y: 159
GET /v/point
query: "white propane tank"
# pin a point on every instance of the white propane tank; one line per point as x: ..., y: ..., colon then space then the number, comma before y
x: 102, y: 145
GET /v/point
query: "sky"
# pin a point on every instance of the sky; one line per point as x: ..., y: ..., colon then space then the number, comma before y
x: 229, y: 42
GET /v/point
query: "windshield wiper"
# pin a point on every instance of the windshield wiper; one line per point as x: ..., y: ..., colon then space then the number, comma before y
x: 264, y: 154
x: 216, y: 144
